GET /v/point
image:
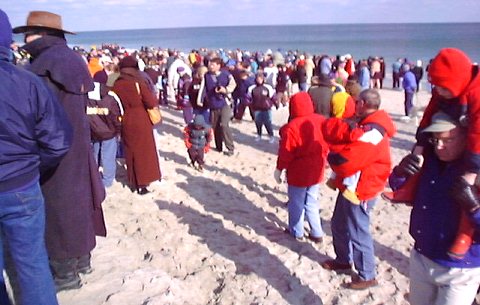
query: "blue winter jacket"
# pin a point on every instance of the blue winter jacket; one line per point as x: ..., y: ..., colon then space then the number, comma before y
x: 435, y: 216
x: 409, y: 83
x: 34, y: 129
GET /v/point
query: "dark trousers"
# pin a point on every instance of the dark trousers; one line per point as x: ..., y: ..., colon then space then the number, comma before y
x: 196, y: 155
x: 241, y: 111
x: 220, y: 120
x: 396, y: 79
x: 408, y: 102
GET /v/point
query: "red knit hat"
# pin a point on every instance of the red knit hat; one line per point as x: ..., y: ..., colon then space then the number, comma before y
x: 451, y: 69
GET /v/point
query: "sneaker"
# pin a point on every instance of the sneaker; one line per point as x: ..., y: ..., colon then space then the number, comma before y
x: 333, y: 265
x: 68, y: 283
x: 317, y: 240
x: 228, y: 153
x: 200, y: 168
x: 258, y: 138
x: 271, y: 140
x: 85, y: 269
x: 351, y: 196
x: 143, y: 191
x: 359, y: 284
x: 299, y: 238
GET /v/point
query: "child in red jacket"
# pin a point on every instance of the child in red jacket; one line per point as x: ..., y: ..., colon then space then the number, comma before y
x: 338, y: 133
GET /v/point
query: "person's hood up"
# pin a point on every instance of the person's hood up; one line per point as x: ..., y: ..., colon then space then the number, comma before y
x: 199, y: 120
x: 300, y: 105
x: 451, y: 69
x: 5, y: 30
x: 380, y: 117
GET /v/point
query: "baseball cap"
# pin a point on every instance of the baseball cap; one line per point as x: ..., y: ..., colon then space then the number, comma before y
x: 441, y: 122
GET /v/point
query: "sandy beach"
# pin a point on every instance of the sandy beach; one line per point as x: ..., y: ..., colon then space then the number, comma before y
x: 217, y: 237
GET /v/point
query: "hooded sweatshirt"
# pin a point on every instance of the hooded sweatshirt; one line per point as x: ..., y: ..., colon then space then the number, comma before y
x: 370, y: 155
x: 302, y: 150
x: 453, y: 70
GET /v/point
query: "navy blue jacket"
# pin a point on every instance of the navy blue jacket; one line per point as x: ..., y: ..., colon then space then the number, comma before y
x: 34, y: 129
x: 435, y: 216
x: 216, y: 100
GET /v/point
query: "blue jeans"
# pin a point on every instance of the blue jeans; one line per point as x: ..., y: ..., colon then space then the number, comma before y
x: 302, y: 87
x: 303, y: 203
x: 22, y: 220
x: 352, y: 240
x: 264, y: 117
x: 105, y: 153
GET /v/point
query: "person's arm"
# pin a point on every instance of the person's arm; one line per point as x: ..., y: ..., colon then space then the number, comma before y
x: 208, y: 139
x: 357, y: 155
x: 231, y: 84
x: 186, y: 137
x: 286, y: 150
x: 201, y: 93
x: 53, y: 131
x: 148, y: 98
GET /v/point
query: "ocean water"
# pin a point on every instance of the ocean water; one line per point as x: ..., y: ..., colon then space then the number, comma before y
x: 413, y: 41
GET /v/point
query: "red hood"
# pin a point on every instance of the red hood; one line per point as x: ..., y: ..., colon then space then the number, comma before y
x: 381, y: 118
x: 451, y: 69
x: 300, y: 105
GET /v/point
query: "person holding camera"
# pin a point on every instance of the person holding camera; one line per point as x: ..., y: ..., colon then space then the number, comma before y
x: 215, y: 89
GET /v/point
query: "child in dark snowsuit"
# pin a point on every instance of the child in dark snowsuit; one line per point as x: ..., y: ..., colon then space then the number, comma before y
x: 197, y: 137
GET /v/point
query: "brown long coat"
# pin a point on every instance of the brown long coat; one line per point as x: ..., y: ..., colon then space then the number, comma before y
x: 137, y: 131
x: 73, y: 192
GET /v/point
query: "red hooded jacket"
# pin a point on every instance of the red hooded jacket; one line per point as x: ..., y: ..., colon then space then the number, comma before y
x: 370, y: 155
x: 302, y: 150
x: 453, y: 70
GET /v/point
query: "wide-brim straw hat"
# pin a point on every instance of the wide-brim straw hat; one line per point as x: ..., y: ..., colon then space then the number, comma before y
x: 41, y: 20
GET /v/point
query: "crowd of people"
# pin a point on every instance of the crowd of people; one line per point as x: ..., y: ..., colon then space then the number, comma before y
x: 66, y: 157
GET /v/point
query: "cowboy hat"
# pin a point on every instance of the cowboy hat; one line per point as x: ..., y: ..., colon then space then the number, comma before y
x: 41, y: 20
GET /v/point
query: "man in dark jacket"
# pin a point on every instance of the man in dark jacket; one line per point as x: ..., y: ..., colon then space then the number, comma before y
x: 74, y: 191
x: 216, y: 87
x: 35, y: 134
x: 437, y: 277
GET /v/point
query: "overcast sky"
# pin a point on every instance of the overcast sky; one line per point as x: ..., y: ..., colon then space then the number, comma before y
x: 92, y: 15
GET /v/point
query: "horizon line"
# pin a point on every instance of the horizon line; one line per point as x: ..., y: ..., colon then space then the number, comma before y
x: 278, y: 25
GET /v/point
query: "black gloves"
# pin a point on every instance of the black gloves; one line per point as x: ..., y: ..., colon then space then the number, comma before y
x: 409, y: 166
x: 465, y: 195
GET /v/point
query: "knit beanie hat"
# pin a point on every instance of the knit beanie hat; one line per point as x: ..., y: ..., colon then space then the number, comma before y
x: 128, y: 62
x: 199, y: 120
x: 5, y: 30
x: 451, y: 69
